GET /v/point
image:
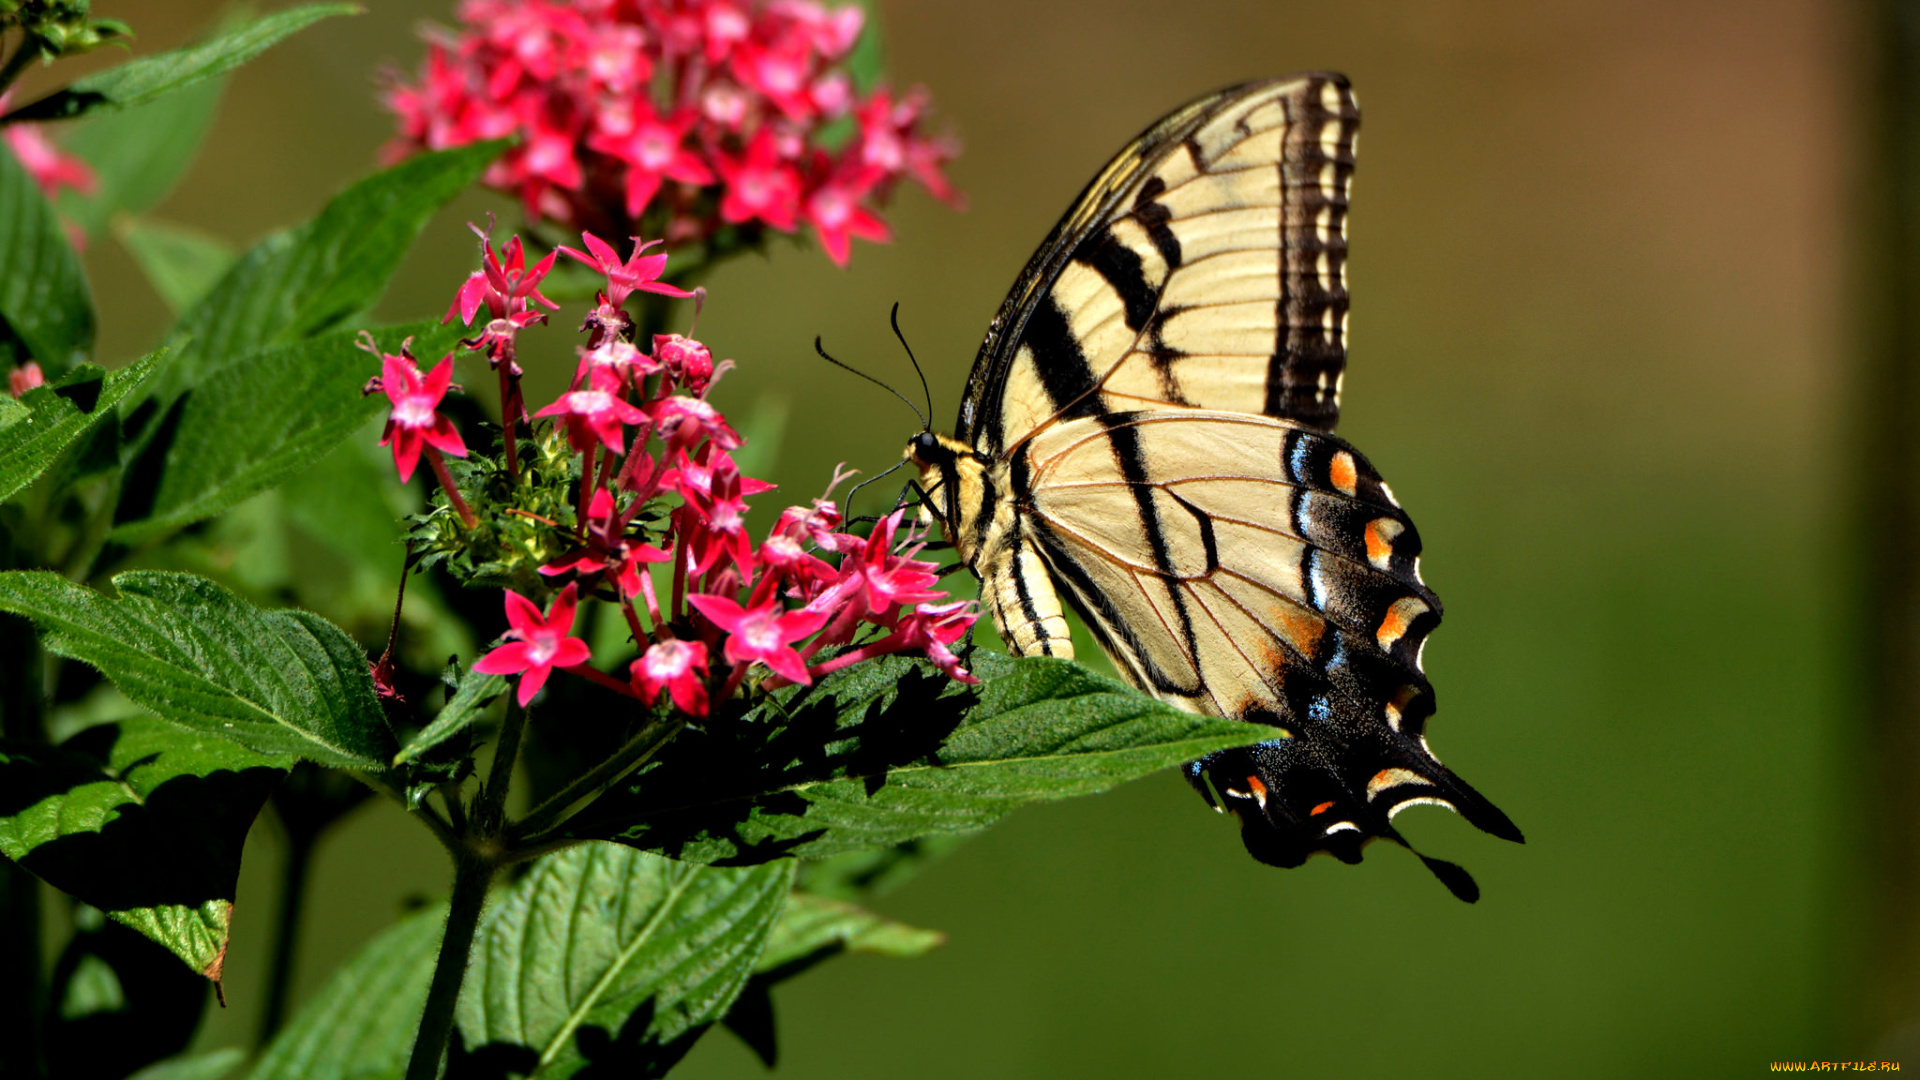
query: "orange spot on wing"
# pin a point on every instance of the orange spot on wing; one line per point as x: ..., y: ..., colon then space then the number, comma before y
x: 1321, y: 809
x: 1259, y: 789
x: 1342, y: 472
x: 1380, y: 535
x: 1399, y: 617
x: 1302, y: 629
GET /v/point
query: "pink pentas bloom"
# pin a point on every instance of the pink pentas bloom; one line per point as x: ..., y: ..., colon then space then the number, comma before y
x: 537, y: 643
x: 685, y: 421
x: 933, y: 627
x: 760, y: 186
x: 503, y: 283
x: 762, y: 633
x: 608, y: 551
x: 654, y: 150
x: 50, y: 167
x: 834, y: 210
x: 640, y: 273
x: 679, y: 668
x: 24, y: 378
x: 415, y: 421
x: 596, y: 414
x: 701, y: 112
x: 627, y: 363
x: 689, y: 362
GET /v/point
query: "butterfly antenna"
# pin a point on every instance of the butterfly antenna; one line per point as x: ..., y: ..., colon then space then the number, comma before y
x: 872, y: 480
x: 895, y: 320
x: 925, y: 425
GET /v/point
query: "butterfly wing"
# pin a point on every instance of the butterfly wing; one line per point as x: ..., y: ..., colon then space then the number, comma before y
x: 1205, y: 267
x: 1243, y: 566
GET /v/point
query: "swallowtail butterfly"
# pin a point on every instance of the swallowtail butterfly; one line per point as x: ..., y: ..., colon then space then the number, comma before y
x: 1148, y: 434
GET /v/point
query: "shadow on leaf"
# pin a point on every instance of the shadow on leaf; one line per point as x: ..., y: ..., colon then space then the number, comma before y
x: 732, y: 794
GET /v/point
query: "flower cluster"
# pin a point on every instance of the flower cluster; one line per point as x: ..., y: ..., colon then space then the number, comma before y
x: 658, y: 486
x: 687, y: 116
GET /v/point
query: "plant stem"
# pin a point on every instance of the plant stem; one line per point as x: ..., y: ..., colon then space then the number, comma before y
x: 17, y: 63
x: 635, y: 753
x: 490, y: 809
x: 22, y: 982
x: 472, y: 873
x: 475, y: 858
x: 447, y: 485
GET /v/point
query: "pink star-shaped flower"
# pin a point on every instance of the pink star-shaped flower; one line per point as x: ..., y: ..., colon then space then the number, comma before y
x: 762, y: 633
x: 760, y: 185
x: 835, y: 211
x: 415, y: 421
x: 599, y: 413
x: 608, y: 549
x: 654, y: 150
x: 678, y: 667
x: 640, y: 273
x: 539, y: 643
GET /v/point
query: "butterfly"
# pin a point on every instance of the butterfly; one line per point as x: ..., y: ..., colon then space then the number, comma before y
x: 1147, y: 434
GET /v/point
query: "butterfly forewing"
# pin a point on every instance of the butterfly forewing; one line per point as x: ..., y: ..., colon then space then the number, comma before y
x: 1204, y: 267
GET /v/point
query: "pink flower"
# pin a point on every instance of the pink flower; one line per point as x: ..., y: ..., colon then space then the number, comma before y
x: 25, y: 377
x: 698, y: 112
x: 759, y: 185
x: 834, y: 210
x: 538, y: 643
x: 49, y: 166
x: 653, y: 150
x: 678, y: 667
x: 608, y: 549
x: 598, y: 413
x: 505, y: 285
x: 762, y: 633
x: 933, y: 627
x: 640, y: 273
x: 688, y: 361
x: 684, y: 421
x: 415, y: 422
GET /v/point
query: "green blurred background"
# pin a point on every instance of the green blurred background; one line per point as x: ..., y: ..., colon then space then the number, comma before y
x: 1600, y: 350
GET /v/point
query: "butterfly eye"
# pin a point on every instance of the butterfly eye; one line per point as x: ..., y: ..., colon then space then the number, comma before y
x: 925, y: 446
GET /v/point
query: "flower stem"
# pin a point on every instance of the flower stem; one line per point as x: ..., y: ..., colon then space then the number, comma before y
x: 475, y: 858
x: 472, y: 873
x: 509, y: 418
x: 446, y: 484
x: 586, y: 490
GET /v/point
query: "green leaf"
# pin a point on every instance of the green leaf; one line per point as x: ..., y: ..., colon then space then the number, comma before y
x: 476, y: 693
x: 612, y: 958
x: 361, y: 1024
x: 59, y: 416
x: 181, y: 264
x: 137, y: 155
x: 144, y: 821
x: 264, y: 417
x: 43, y: 293
x: 891, y: 750
x: 295, y: 284
x: 278, y: 682
x: 208, y: 1066
x: 142, y: 80
x: 811, y: 928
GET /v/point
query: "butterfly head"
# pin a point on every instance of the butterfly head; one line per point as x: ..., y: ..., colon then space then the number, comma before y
x: 952, y: 486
